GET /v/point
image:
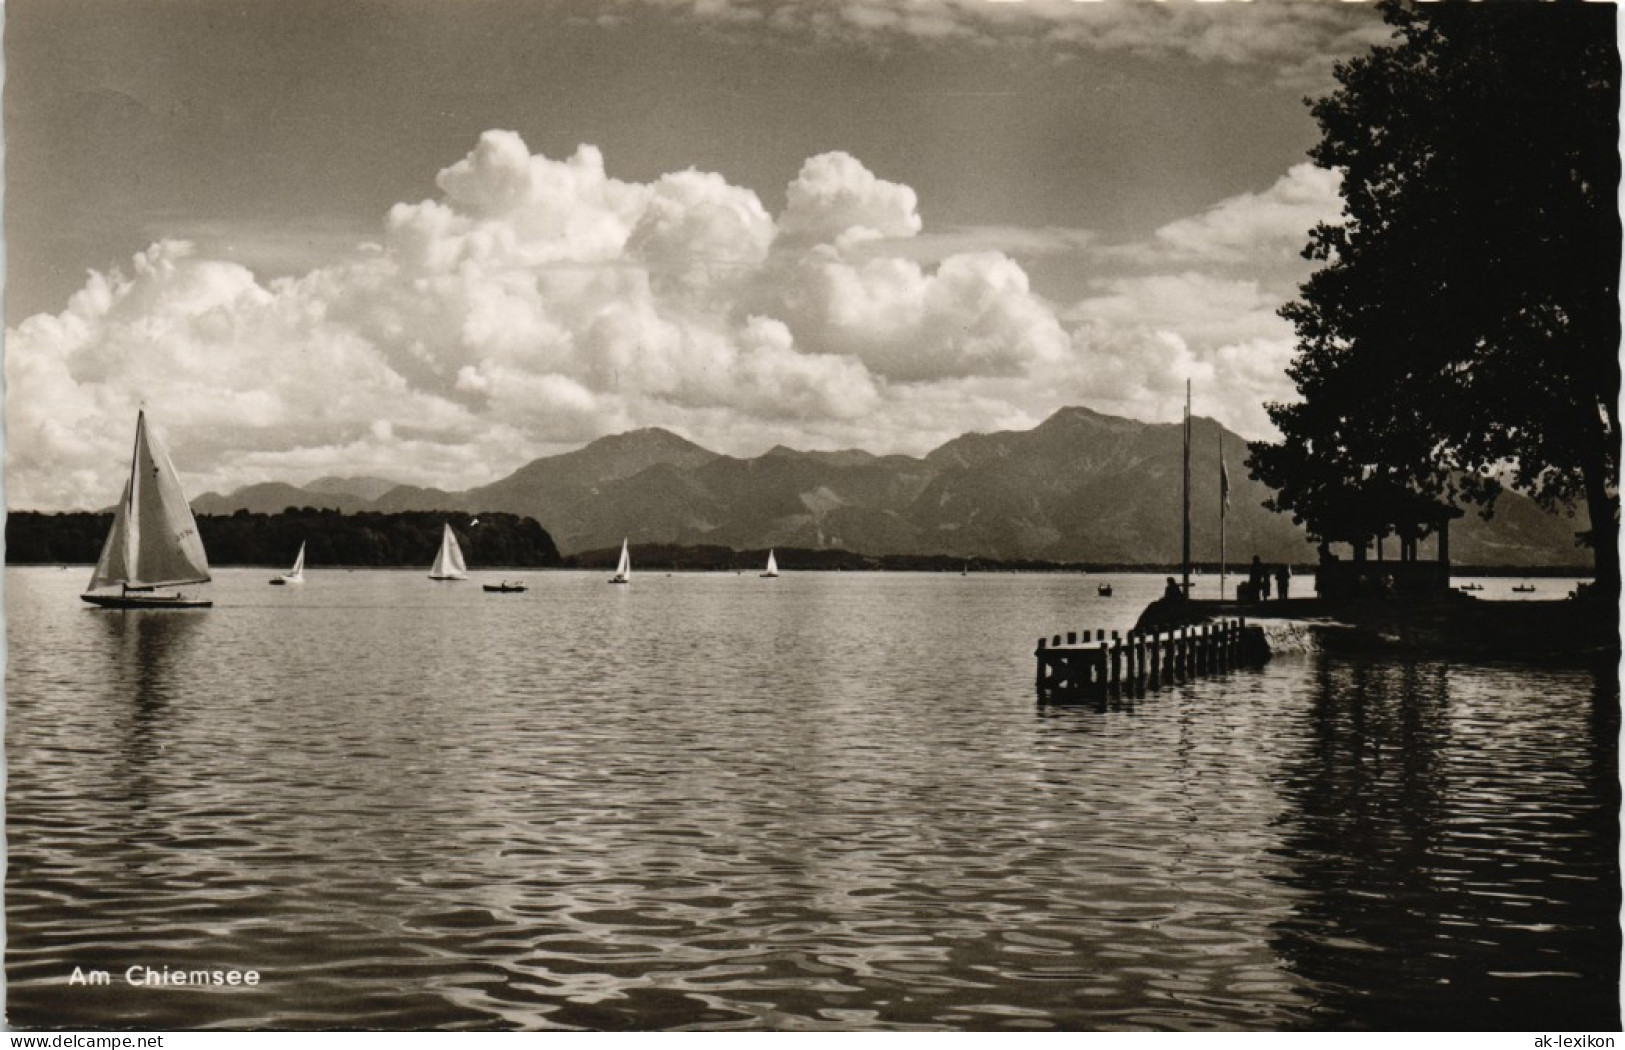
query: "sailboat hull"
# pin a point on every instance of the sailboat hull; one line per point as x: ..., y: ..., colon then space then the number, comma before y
x: 146, y: 601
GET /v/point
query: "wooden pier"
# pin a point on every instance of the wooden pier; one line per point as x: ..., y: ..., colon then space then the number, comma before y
x: 1105, y: 665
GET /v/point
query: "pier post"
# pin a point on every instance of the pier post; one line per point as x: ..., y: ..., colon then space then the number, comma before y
x: 1099, y: 663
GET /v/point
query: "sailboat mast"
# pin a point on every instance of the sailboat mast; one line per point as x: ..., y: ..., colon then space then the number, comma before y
x: 1185, y: 554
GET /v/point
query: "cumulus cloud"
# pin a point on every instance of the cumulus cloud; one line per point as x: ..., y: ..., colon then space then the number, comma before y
x: 1142, y: 337
x: 836, y: 200
x: 1253, y: 226
x: 538, y: 303
x: 1199, y: 298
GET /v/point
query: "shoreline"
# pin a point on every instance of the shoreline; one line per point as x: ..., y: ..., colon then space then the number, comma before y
x: 1570, y: 631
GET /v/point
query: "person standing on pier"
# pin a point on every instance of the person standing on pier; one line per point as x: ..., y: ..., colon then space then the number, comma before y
x: 1283, y: 580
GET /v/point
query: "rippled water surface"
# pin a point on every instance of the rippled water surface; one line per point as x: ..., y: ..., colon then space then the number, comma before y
x: 823, y: 801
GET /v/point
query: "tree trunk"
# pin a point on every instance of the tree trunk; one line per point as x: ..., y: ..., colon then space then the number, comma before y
x: 1603, y: 506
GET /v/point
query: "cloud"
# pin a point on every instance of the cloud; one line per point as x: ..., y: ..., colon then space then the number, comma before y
x: 1252, y: 226
x: 1289, y: 41
x: 1019, y: 242
x: 537, y: 303
x: 1142, y: 337
x: 836, y: 200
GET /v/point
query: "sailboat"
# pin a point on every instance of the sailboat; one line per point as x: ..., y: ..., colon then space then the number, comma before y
x: 623, y: 568
x: 297, y: 574
x: 154, y: 541
x: 772, y: 569
x: 448, y: 564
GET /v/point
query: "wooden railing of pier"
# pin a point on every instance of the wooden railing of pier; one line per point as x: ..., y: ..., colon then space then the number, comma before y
x: 1114, y: 665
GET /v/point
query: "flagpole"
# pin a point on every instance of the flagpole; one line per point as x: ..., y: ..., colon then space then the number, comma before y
x: 1186, y: 551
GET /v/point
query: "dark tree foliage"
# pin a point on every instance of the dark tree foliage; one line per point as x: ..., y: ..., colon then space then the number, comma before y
x: 330, y: 538
x: 1464, y: 329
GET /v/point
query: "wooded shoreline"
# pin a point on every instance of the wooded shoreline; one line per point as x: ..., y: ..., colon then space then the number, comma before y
x: 408, y: 540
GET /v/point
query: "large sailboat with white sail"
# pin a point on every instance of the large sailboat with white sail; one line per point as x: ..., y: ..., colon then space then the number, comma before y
x: 154, y: 541
x: 448, y: 564
x: 772, y: 570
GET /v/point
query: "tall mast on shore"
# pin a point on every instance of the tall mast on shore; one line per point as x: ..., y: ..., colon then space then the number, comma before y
x: 1224, y: 508
x: 1185, y: 554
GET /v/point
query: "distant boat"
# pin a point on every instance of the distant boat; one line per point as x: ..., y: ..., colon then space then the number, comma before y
x: 154, y: 540
x: 772, y: 569
x: 623, y: 568
x: 297, y: 575
x: 506, y: 587
x: 1524, y: 588
x: 1472, y: 587
x: 1104, y: 590
x: 448, y: 564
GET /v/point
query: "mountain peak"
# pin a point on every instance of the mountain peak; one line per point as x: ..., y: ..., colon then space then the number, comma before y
x: 644, y: 435
x: 1077, y: 416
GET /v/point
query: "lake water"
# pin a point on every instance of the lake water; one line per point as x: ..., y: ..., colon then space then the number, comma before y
x: 826, y: 801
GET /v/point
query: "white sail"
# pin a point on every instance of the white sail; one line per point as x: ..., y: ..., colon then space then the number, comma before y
x: 297, y: 573
x: 448, y: 564
x: 772, y: 565
x: 623, y: 568
x: 154, y: 541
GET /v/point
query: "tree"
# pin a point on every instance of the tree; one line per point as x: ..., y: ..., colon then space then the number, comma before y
x: 1464, y: 331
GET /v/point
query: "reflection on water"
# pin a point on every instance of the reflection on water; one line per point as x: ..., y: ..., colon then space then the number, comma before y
x: 1462, y: 838
x: 825, y: 801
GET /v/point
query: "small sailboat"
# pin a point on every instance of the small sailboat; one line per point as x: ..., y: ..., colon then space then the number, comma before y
x: 154, y: 540
x: 623, y: 568
x: 1104, y: 590
x: 772, y: 570
x: 296, y: 574
x: 448, y: 564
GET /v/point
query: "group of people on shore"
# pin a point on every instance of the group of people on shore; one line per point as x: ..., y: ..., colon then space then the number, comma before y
x: 1258, y: 581
x: 1256, y: 589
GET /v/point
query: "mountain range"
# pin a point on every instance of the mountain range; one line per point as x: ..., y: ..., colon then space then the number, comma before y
x: 1079, y: 487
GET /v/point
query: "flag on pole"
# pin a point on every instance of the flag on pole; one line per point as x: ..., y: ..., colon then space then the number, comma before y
x: 1224, y: 482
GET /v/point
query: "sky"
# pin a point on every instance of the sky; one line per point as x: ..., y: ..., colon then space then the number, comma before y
x: 432, y: 240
